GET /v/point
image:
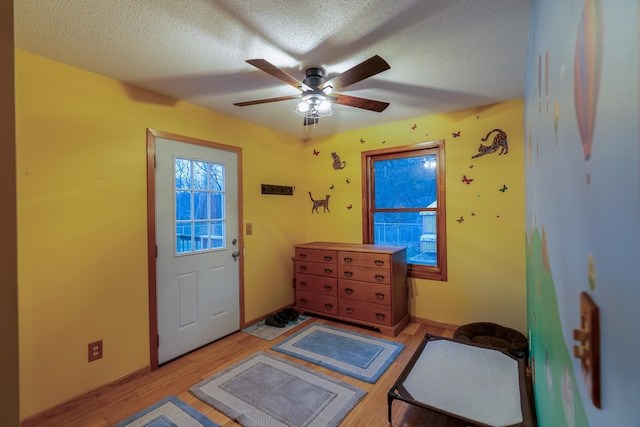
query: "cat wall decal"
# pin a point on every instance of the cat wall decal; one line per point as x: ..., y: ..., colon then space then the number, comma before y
x: 318, y: 203
x: 499, y: 142
x: 337, y: 164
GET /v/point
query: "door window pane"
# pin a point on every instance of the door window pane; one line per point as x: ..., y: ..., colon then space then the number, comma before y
x: 183, y: 173
x: 217, y: 205
x: 200, y: 175
x: 216, y: 177
x: 199, y: 205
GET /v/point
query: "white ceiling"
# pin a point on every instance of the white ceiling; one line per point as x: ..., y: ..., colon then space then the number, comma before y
x: 445, y: 55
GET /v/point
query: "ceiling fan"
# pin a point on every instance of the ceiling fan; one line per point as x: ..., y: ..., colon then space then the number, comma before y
x: 317, y: 94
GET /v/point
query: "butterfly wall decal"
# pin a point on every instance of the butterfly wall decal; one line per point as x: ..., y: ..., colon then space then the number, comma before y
x: 347, y: 181
x: 361, y: 141
x: 503, y: 189
x: 460, y: 220
x: 350, y: 206
x: 331, y: 188
x: 466, y: 180
x: 414, y: 127
x: 315, y: 152
x: 456, y: 134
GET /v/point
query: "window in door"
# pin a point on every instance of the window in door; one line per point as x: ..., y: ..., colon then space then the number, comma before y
x: 199, y: 206
x: 404, y: 205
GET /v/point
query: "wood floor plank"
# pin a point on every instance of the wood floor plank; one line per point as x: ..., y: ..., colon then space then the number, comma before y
x: 113, y: 404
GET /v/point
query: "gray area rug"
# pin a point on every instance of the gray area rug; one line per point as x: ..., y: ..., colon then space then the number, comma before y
x: 268, y: 391
x: 169, y: 412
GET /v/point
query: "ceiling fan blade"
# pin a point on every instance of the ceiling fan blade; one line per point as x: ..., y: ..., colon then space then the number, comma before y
x: 368, y: 68
x: 354, y: 101
x: 276, y: 72
x: 264, y: 101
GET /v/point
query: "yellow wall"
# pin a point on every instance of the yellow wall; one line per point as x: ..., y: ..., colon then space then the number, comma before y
x: 81, y: 159
x: 485, y: 253
x: 82, y: 230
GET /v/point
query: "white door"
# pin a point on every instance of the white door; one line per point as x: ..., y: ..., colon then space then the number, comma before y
x: 197, y: 262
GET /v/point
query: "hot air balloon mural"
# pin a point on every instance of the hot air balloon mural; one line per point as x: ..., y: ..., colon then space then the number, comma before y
x: 586, y: 74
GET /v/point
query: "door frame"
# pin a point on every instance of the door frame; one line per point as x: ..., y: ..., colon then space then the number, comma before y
x: 152, y: 134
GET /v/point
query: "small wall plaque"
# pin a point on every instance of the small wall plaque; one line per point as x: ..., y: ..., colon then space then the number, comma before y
x: 281, y: 190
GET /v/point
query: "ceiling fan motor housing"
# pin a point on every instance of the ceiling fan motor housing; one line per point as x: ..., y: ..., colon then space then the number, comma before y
x: 314, y: 77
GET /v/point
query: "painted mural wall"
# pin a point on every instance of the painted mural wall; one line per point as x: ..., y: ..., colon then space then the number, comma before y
x: 583, y: 205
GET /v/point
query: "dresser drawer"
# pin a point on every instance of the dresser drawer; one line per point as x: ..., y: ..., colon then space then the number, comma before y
x: 317, y: 284
x: 364, y: 274
x: 366, y: 311
x: 365, y: 291
x: 358, y: 283
x: 316, y: 255
x: 364, y: 259
x: 316, y: 268
x: 316, y: 302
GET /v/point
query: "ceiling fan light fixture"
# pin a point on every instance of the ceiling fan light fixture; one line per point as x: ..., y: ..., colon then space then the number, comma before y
x: 314, y: 105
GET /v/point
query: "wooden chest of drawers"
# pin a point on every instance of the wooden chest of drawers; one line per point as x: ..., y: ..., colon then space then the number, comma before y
x: 364, y: 284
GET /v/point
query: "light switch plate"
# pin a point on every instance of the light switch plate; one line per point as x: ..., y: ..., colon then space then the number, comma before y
x: 588, y: 349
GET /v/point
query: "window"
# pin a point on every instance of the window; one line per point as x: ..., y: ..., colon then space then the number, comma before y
x: 404, y: 204
x: 199, y: 202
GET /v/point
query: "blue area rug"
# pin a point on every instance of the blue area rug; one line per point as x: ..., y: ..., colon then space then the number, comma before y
x: 356, y: 355
x: 170, y: 412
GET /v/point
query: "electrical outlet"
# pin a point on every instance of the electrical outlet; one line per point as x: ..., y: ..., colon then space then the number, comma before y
x: 588, y: 349
x: 95, y: 350
x: 249, y: 229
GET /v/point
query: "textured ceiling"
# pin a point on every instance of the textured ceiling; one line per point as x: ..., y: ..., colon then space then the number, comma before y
x: 445, y: 55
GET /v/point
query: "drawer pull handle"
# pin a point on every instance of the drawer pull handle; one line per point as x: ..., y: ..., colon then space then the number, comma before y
x: 328, y: 306
x: 303, y: 268
x: 348, y: 260
x: 348, y: 274
x: 328, y: 258
x: 328, y: 271
x: 303, y: 301
x: 302, y: 256
x: 348, y: 291
x: 303, y: 284
x: 379, y: 296
x: 380, y: 316
x: 379, y: 262
x: 328, y: 288
x: 379, y: 277
x: 349, y: 310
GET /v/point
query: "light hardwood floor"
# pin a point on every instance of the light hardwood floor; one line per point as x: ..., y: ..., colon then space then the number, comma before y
x: 115, y: 403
